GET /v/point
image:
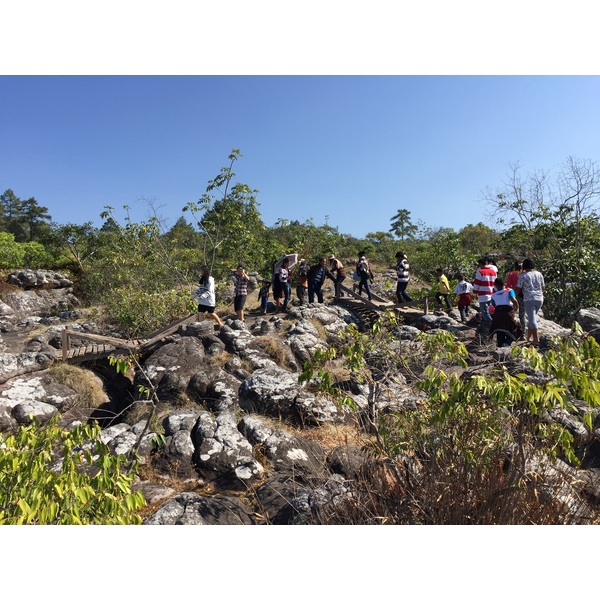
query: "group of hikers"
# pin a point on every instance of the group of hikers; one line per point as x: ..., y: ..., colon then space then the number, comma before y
x: 499, y: 301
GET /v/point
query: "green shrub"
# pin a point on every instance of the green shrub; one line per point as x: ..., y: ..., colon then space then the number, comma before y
x: 50, y: 476
x: 139, y: 312
x: 11, y: 252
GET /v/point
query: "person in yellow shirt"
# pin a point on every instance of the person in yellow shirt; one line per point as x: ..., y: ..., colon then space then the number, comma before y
x: 443, y: 289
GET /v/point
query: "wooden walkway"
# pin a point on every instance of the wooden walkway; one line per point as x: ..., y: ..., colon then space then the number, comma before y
x: 102, y: 346
x: 97, y: 347
x: 379, y: 303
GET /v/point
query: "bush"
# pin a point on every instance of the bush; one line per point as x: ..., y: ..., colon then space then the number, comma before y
x: 139, y: 313
x: 50, y: 476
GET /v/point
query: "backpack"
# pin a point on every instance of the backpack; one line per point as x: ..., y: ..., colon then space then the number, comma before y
x: 362, y: 268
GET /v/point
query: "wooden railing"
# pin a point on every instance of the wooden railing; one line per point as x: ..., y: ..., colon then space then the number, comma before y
x: 379, y: 303
x: 104, y: 345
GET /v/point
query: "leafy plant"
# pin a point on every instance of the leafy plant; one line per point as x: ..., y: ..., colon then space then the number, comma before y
x: 49, y: 475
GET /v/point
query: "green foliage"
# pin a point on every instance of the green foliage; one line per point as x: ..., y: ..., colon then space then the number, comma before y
x: 35, y: 256
x: 50, y: 476
x: 493, y: 403
x: 318, y: 373
x: 140, y: 312
x: 308, y: 240
x: 11, y: 252
x: 473, y: 436
x: 478, y: 240
x: 29, y: 255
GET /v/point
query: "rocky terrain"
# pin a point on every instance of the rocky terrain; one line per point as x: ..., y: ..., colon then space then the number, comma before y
x: 241, y: 441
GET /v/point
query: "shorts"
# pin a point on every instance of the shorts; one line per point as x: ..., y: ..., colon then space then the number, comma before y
x: 238, y: 303
x: 202, y: 308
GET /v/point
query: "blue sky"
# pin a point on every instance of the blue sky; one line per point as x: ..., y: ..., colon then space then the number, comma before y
x: 349, y: 150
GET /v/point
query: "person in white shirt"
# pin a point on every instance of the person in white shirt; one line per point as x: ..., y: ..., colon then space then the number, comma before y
x: 463, y: 288
x: 205, y: 294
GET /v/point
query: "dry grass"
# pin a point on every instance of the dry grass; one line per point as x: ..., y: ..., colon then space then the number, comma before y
x: 276, y: 350
x: 89, y: 387
x: 331, y: 436
x: 319, y: 327
x: 219, y: 360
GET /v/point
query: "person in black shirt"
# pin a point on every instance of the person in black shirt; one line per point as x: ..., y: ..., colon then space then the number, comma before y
x: 316, y: 278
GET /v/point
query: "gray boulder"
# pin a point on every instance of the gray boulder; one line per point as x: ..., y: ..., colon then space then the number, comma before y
x: 182, y: 419
x: 40, y: 278
x: 589, y: 319
x: 29, y: 410
x: 288, y: 453
x: 14, y: 365
x: 270, y: 391
x: 313, y: 506
x: 190, y: 508
x: 40, y: 302
x: 222, y: 453
x: 303, y: 338
x: 215, y: 389
x: 172, y: 366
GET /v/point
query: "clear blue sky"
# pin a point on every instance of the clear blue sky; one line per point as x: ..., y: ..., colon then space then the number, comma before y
x: 350, y: 149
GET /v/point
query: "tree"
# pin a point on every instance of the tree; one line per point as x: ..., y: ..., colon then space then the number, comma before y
x: 11, y: 215
x: 402, y: 227
x: 76, y: 243
x: 34, y: 217
x: 230, y: 224
x: 478, y: 239
x: 554, y: 220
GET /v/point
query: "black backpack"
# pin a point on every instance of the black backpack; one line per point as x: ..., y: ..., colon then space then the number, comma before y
x: 363, y: 267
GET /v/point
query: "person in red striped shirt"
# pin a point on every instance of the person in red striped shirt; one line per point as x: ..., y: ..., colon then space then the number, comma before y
x: 483, y: 286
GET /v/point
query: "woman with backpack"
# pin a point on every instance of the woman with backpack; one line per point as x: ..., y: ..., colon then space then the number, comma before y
x: 364, y: 272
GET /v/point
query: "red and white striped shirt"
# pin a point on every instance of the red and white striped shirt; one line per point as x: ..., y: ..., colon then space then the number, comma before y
x: 483, y: 285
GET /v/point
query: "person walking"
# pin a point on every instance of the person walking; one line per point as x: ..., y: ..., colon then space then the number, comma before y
x: 531, y: 285
x: 443, y: 289
x: 337, y: 269
x: 463, y: 288
x: 263, y: 296
x: 283, y: 275
x: 511, y: 282
x: 402, y: 267
x: 302, y: 282
x: 365, y: 273
x: 483, y: 286
x: 316, y: 278
x: 240, y: 292
x: 205, y: 294
x: 505, y: 303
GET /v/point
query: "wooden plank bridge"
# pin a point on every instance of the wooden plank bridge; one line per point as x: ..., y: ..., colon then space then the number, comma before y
x: 101, y: 346
x: 383, y: 304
